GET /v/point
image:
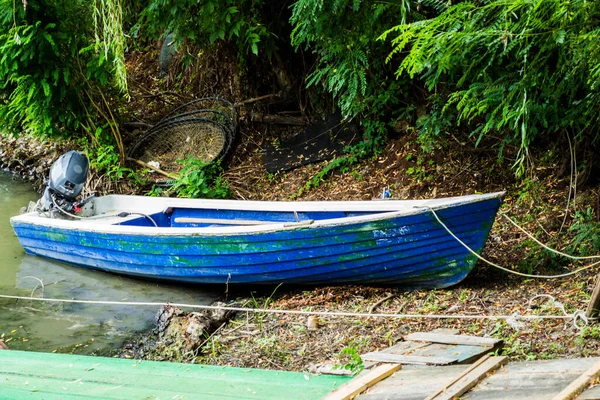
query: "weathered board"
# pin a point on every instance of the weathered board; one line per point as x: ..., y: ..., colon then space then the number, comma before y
x: 433, y: 337
x: 356, y: 386
x: 413, y: 382
x: 470, y: 378
x: 439, y: 347
x: 51, y: 376
x: 533, y: 380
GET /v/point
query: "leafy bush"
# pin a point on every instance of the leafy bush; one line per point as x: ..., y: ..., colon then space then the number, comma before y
x: 244, y: 23
x: 52, y: 81
x: 199, y: 180
x: 522, y: 68
x: 586, y: 230
x: 342, y: 34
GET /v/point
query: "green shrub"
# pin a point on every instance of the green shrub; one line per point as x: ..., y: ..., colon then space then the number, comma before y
x: 518, y: 68
x: 200, y: 180
x: 243, y: 23
x: 53, y: 81
x: 586, y: 230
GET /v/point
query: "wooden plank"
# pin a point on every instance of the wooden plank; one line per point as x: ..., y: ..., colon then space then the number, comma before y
x: 404, y: 359
x: 459, y: 377
x: 446, y: 331
x: 452, y: 339
x: 463, y: 354
x: 592, y: 393
x: 462, y: 385
x: 358, y: 385
x: 413, y: 382
x: 579, y: 384
x: 404, y: 347
x: 594, y: 304
x: 530, y: 380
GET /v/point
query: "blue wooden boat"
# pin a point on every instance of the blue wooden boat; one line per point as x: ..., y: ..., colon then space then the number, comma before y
x: 386, y: 242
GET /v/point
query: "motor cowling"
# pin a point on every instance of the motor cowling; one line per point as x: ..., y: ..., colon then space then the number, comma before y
x: 66, y: 181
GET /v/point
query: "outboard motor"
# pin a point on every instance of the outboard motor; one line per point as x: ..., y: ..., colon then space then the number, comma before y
x: 67, y: 178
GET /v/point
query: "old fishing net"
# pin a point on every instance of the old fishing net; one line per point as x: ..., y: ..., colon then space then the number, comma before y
x: 203, y: 129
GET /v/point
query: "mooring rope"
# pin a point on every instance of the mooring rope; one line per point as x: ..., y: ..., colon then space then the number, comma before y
x: 293, y: 312
x: 545, y: 246
x: 510, y: 270
x: 578, y: 315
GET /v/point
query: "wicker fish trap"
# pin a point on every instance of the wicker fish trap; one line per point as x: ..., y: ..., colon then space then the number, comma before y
x: 206, y: 134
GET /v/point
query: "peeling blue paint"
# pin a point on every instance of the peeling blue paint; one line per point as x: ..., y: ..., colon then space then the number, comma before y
x: 412, y: 251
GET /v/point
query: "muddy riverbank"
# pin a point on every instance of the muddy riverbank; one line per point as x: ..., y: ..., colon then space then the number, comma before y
x: 538, y: 202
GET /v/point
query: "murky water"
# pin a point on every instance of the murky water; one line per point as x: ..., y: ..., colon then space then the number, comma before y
x: 80, y: 328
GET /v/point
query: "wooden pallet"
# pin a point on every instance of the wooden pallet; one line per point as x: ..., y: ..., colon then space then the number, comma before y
x: 439, y: 347
x: 491, y: 379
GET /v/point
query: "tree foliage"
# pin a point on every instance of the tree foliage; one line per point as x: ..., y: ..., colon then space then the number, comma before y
x: 519, y: 68
x: 53, y: 82
x: 342, y: 35
x: 245, y: 23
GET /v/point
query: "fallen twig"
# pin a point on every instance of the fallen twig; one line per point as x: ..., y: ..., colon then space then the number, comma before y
x: 160, y: 171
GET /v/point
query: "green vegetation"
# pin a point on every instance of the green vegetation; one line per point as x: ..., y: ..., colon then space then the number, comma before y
x: 517, y: 70
x: 248, y: 24
x: 350, y: 360
x: 586, y: 230
x: 55, y: 81
x: 198, y: 180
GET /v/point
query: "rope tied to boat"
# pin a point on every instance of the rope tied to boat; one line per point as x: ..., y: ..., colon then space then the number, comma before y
x: 526, y: 317
x: 492, y: 264
x: 577, y: 316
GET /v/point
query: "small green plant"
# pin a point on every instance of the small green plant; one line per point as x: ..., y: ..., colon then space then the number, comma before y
x: 200, y: 180
x: 256, y: 303
x: 586, y: 230
x: 156, y: 191
x: 350, y: 360
x: 587, y: 333
x: 431, y: 303
x: 417, y: 172
x: 357, y: 175
x: 105, y: 158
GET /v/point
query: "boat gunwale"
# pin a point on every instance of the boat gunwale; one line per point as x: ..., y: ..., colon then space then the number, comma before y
x: 34, y: 218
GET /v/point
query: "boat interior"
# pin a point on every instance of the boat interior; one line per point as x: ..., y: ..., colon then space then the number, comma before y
x: 197, y: 218
x: 142, y: 211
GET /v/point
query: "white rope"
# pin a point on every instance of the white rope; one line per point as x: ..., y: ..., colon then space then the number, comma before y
x: 506, y: 269
x: 577, y: 316
x: 292, y: 312
x: 545, y: 246
x: 553, y: 302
